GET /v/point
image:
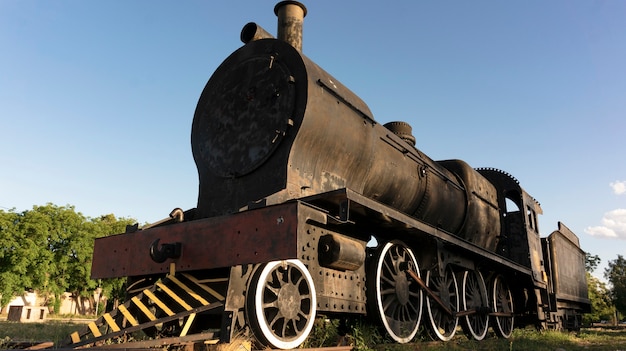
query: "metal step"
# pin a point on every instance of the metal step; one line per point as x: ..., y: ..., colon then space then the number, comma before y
x: 165, y: 310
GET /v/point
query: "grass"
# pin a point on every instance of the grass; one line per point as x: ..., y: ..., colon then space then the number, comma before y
x: 54, y: 331
x: 366, y: 338
x: 363, y: 337
x: 528, y: 340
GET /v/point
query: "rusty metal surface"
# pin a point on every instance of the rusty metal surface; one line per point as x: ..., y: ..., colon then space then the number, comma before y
x: 249, y: 237
x: 401, y: 225
x: 272, y: 126
x: 244, y: 122
x: 482, y: 224
x: 519, y: 237
x: 338, y: 290
x: 568, y: 266
x: 290, y: 17
x: 252, y: 31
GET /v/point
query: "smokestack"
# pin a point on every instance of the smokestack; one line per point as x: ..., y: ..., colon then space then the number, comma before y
x: 290, y: 18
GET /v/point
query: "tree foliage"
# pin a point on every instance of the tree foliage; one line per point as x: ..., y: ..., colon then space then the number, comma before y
x: 599, y: 293
x: 616, y: 274
x: 601, y: 302
x: 591, y: 262
x: 49, y: 249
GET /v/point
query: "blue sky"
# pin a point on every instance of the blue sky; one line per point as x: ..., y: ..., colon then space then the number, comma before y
x: 97, y: 97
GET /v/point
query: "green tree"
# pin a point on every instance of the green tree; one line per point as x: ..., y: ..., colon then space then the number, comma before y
x: 599, y: 294
x: 49, y: 249
x: 616, y: 274
x: 11, y: 263
x: 591, y: 262
x: 53, y: 230
x: 601, y: 302
x: 100, y: 227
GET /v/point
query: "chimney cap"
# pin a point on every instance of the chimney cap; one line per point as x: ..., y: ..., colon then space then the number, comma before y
x: 289, y: 2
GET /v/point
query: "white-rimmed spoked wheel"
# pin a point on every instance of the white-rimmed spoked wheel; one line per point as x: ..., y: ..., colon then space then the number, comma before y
x: 281, y: 304
x: 442, y: 323
x: 502, y: 304
x: 393, y: 296
x: 475, y: 300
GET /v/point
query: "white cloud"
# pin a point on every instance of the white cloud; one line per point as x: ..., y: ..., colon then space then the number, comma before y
x: 613, y: 225
x: 619, y: 188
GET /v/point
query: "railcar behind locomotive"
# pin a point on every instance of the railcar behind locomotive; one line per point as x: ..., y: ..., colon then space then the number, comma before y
x: 295, y: 178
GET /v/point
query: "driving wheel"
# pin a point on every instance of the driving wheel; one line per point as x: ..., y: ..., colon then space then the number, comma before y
x: 503, y: 304
x: 475, y: 300
x: 392, y: 295
x: 281, y: 304
x: 442, y: 324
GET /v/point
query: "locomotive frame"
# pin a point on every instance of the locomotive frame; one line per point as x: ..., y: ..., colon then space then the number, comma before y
x: 267, y: 260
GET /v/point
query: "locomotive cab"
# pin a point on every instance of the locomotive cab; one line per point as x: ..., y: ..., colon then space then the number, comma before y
x: 519, y: 238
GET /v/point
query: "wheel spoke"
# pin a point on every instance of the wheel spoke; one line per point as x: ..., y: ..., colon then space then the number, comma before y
x: 410, y: 307
x: 301, y: 317
x: 388, y: 303
x: 391, y: 272
x: 415, y: 294
x: 278, y: 278
x: 267, y: 305
x: 272, y: 289
x: 285, y: 327
x: 388, y: 291
x: 274, y: 320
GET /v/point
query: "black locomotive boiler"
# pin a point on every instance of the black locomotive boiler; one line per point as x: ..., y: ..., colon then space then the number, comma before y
x: 295, y: 178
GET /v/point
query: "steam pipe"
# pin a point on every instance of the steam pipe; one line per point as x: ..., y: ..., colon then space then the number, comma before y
x: 290, y: 18
x: 252, y: 31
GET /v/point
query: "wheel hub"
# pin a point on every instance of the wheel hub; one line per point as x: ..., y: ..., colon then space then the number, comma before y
x: 288, y: 301
x: 444, y: 293
x: 402, y: 288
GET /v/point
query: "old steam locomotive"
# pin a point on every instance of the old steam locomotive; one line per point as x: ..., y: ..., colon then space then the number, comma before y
x: 295, y: 179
